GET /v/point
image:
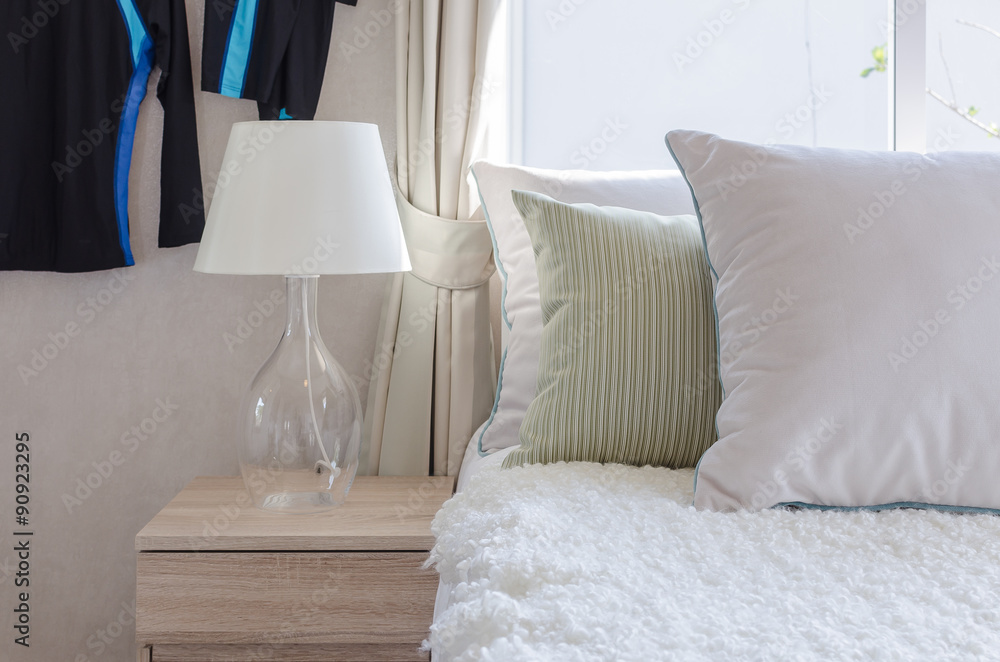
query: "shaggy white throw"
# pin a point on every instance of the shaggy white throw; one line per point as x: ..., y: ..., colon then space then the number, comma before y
x: 589, y: 562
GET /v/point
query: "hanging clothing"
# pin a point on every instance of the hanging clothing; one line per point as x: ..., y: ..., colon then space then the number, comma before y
x: 73, y: 75
x: 273, y: 51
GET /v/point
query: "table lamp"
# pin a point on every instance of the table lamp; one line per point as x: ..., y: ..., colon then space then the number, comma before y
x: 301, y: 199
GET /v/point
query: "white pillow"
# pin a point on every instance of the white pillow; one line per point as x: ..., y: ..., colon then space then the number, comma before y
x: 858, y: 307
x: 659, y: 191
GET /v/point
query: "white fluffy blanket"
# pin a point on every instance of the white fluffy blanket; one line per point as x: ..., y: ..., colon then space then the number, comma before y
x: 589, y: 562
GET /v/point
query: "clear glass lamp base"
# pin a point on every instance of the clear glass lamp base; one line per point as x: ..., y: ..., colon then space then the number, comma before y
x: 299, y: 431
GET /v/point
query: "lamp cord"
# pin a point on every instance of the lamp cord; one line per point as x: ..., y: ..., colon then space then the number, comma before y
x: 325, y: 462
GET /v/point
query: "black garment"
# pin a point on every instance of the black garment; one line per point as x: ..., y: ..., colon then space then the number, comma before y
x: 73, y: 74
x: 273, y: 51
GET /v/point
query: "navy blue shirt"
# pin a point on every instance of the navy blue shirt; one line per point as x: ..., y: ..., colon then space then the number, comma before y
x: 73, y: 74
x: 273, y: 51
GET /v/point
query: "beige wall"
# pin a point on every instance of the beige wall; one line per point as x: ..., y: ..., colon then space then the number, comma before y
x: 161, y: 338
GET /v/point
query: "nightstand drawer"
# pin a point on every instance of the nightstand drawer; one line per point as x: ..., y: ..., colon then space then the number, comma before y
x: 284, y: 598
x: 289, y: 653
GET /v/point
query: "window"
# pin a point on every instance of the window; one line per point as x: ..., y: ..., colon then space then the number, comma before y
x: 963, y: 60
x: 595, y: 84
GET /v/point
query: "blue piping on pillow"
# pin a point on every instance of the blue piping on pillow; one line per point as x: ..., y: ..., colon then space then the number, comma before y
x: 496, y: 405
x: 892, y: 506
x: 503, y: 314
x: 715, y: 308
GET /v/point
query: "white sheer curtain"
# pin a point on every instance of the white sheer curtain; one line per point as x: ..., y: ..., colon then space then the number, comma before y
x: 435, y: 375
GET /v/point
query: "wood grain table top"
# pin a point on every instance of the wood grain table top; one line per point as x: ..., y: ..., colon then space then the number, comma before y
x: 382, y: 513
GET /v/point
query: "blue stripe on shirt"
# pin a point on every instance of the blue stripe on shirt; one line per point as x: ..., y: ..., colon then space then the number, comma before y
x: 136, y: 28
x: 141, y: 46
x: 238, y: 44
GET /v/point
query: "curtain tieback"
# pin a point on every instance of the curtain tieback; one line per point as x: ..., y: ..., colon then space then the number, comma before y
x: 455, y: 255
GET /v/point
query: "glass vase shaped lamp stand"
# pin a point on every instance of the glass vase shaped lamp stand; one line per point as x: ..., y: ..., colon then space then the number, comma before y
x: 317, y: 201
x: 299, y: 429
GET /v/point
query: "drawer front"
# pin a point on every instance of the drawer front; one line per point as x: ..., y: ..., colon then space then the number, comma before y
x: 291, y: 653
x: 283, y: 598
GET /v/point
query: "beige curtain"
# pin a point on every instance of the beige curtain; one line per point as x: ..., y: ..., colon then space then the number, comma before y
x: 434, y: 375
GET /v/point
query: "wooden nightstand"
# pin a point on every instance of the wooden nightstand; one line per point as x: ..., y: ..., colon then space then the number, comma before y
x: 220, y: 580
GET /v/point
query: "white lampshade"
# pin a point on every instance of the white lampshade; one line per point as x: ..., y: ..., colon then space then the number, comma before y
x: 303, y: 198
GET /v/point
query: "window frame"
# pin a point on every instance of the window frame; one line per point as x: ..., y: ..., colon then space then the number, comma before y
x: 906, y: 30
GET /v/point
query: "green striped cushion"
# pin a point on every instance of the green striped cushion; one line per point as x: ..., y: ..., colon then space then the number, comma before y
x: 628, y: 354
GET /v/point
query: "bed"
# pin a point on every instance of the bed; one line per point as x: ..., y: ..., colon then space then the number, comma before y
x: 745, y: 411
x: 580, y: 561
